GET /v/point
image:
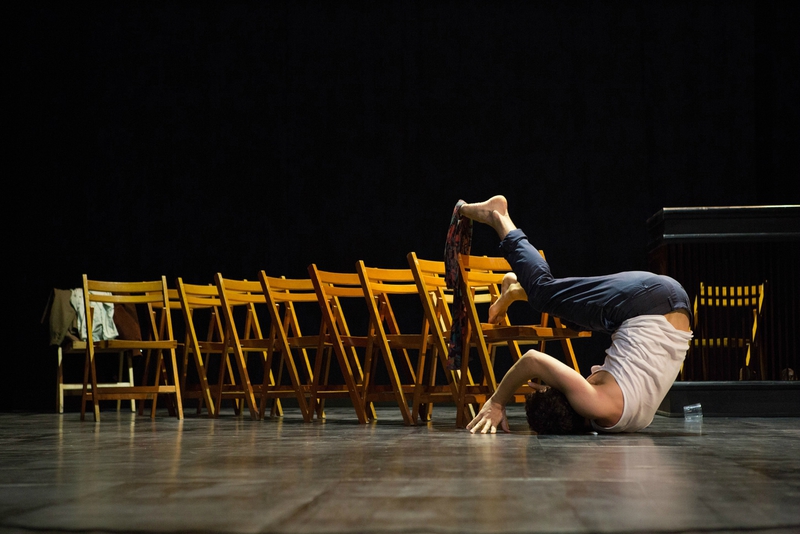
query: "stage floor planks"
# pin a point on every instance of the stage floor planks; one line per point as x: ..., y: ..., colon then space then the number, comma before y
x: 236, y: 475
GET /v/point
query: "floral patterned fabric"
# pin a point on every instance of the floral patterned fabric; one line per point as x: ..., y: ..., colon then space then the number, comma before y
x: 459, y: 241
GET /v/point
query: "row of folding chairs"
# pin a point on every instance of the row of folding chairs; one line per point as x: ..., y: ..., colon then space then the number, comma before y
x: 265, y: 343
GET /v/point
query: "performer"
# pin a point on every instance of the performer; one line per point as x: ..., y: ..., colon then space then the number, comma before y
x: 647, y: 315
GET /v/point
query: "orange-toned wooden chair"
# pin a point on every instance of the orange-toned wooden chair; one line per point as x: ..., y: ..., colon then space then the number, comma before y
x: 482, y: 275
x: 388, y: 293
x: 335, y: 292
x: 437, y: 300
x: 291, y: 300
x: 201, y: 302
x: 158, y: 323
x: 244, y: 336
x: 206, y: 300
x: 149, y: 294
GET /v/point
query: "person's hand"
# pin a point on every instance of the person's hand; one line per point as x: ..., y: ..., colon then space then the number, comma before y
x: 491, y: 416
x: 536, y: 387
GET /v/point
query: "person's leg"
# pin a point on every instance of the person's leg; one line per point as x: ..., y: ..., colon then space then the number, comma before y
x: 510, y: 291
x: 565, y: 298
x: 494, y: 212
x: 528, y: 265
x: 599, y: 303
x: 530, y: 270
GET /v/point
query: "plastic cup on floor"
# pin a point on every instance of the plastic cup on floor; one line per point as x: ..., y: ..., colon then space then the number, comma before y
x: 693, y: 413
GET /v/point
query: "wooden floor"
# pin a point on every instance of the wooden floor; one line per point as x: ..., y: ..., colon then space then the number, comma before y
x: 231, y: 474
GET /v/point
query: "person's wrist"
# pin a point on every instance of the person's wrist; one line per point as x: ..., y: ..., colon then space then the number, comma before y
x: 497, y: 401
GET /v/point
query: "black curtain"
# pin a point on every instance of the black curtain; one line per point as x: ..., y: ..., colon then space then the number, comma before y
x: 183, y: 140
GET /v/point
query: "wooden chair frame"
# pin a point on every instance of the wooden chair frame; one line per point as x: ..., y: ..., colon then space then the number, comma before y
x: 380, y: 286
x: 332, y: 288
x: 195, y: 298
x: 437, y: 300
x: 137, y: 293
x: 247, y: 295
x: 284, y: 296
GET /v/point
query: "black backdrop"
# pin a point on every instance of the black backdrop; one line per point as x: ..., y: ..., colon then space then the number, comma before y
x: 182, y: 139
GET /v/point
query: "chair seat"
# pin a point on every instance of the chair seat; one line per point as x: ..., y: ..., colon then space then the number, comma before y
x: 408, y: 341
x: 124, y: 393
x: 494, y: 332
x: 215, y: 347
x: 255, y: 344
x: 115, y: 345
x: 73, y: 345
x: 355, y: 341
x: 722, y: 342
x: 308, y: 342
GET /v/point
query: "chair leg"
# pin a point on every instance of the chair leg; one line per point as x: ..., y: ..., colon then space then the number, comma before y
x: 326, y: 380
x: 400, y: 397
x: 129, y: 360
x: 314, y: 403
x: 60, y: 382
x: 247, y: 387
x: 569, y: 353
x: 146, y: 374
x: 85, y: 385
x: 223, y: 367
x: 202, y: 378
x: 297, y: 384
x: 91, y: 367
x: 119, y: 375
x: 176, y: 384
x: 416, y: 398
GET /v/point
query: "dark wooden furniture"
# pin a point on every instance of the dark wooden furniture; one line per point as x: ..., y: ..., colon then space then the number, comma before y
x: 737, y: 245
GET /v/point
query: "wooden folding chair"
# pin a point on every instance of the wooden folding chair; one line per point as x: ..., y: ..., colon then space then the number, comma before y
x: 726, y: 333
x: 245, y: 337
x: 61, y: 316
x: 482, y: 274
x: 335, y: 291
x: 198, y: 300
x: 158, y: 323
x: 382, y: 287
x: 154, y: 293
x: 206, y: 299
x: 285, y: 297
x: 437, y: 299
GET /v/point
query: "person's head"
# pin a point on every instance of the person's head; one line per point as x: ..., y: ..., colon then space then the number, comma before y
x: 549, y: 412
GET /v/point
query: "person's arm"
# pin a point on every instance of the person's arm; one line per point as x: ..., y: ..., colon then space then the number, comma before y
x: 587, y: 400
x: 493, y: 411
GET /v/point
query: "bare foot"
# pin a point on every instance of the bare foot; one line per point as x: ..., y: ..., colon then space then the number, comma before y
x: 482, y: 211
x: 493, y: 212
x: 510, y: 291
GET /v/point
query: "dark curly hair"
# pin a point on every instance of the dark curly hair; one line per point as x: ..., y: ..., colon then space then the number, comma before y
x: 549, y: 412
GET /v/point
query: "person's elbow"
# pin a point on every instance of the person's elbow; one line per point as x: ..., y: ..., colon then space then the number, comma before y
x: 531, y: 362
